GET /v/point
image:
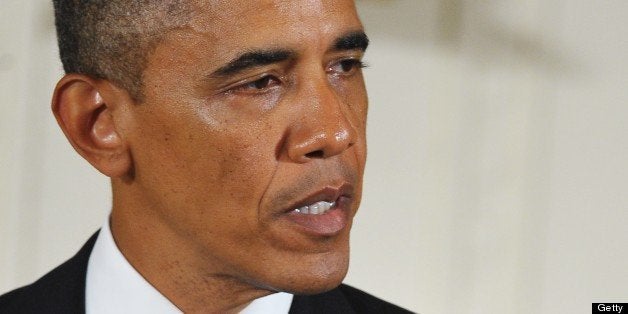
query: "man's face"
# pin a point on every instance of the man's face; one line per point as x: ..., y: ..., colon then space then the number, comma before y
x: 253, y: 115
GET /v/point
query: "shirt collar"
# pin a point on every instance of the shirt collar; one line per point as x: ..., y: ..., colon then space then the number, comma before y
x: 114, y: 286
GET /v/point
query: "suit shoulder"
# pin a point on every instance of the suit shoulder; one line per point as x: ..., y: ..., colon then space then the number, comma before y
x: 12, y: 301
x: 363, y: 302
x: 62, y: 290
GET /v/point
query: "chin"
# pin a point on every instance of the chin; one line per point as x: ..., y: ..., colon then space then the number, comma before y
x: 316, y: 287
x: 320, y: 277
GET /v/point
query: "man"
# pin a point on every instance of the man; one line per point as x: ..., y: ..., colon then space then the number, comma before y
x: 234, y: 136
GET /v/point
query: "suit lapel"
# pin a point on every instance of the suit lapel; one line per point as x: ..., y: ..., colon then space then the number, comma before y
x: 70, y: 278
x: 332, y: 301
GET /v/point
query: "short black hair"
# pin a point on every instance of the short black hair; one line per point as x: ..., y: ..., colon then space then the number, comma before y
x: 112, y: 39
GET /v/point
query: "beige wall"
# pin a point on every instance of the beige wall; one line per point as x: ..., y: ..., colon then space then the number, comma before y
x: 496, y: 181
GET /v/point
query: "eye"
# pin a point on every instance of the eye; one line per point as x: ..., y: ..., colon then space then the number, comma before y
x: 260, y: 85
x: 346, y: 66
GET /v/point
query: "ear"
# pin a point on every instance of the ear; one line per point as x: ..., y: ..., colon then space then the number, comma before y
x: 85, y: 108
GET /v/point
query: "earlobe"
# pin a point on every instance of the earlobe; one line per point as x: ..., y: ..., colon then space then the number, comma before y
x: 84, y: 109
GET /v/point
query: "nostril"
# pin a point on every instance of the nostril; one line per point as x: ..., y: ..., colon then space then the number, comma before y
x: 315, y: 154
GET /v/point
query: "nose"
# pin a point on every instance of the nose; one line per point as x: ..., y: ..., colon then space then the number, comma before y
x: 324, y: 128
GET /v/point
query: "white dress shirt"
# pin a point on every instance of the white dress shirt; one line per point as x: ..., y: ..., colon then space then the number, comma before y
x: 114, y: 286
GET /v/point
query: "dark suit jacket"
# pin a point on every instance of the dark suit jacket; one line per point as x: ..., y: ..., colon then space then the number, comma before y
x: 63, y: 291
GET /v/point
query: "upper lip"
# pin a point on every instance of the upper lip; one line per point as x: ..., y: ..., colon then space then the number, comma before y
x: 328, y: 194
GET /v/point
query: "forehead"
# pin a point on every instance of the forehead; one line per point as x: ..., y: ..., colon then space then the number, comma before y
x: 257, y: 22
x: 250, y: 11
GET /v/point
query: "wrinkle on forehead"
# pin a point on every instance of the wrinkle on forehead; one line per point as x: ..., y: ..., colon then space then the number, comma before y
x: 216, y: 16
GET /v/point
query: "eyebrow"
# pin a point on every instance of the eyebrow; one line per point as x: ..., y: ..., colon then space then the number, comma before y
x: 253, y: 59
x: 356, y: 40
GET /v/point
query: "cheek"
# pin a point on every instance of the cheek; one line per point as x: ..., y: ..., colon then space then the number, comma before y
x: 235, y: 168
x: 229, y: 178
x: 198, y: 168
x: 241, y: 171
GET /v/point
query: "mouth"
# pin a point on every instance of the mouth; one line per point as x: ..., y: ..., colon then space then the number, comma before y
x: 323, y: 213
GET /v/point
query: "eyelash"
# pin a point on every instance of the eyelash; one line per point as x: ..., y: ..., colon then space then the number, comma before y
x: 355, y: 64
x: 254, y: 87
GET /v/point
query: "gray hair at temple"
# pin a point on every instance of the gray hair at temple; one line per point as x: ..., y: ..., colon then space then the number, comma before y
x: 112, y: 39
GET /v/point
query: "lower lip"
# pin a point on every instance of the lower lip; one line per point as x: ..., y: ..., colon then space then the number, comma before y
x: 328, y: 224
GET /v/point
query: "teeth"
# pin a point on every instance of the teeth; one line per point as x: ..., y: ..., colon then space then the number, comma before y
x: 316, y: 208
x: 303, y: 210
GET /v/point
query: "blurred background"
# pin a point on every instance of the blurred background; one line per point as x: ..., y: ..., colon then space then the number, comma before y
x: 497, y: 179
